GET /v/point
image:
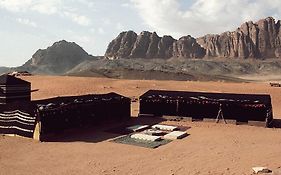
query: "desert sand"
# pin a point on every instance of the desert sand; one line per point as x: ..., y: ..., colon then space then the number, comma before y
x: 209, y: 149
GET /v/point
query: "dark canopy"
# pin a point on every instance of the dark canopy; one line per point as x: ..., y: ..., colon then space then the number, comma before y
x: 199, y: 105
x: 212, y: 97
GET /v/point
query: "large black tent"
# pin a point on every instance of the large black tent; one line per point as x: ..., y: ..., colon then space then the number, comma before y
x: 21, y: 116
x: 13, y: 89
x: 200, y: 105
x: 60, y: 113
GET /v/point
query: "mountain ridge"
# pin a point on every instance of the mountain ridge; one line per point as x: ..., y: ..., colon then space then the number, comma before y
x: 148, y: 56
x: 259, y: 40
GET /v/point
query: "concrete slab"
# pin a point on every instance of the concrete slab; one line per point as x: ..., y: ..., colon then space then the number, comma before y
x: 257, y: 123
x: 175, y: 135
x: 212, y: 120
x: 136, y: 128
x: 229, y: 121
x: 187, y: 119
x: 145, y: 137
x: 171, y: 118
x: 164, y: 127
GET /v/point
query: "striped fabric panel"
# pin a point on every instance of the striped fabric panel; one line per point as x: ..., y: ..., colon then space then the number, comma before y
x: 16, y: 127
x: 14, y: 97
x: 17, y: 122
x: 12, y: 117
x: 12, y: 89
x: 16, y: 111
x: 17, y: 114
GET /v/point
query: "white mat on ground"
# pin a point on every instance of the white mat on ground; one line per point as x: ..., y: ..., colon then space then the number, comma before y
x: 165, y: 127
x: 175, y: 135
x: 145, y: 137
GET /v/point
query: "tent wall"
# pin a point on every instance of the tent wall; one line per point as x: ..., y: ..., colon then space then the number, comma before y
x: 15, y: 93
x: 82, y: 111
x: 17, y: 119
x: 239, y: 107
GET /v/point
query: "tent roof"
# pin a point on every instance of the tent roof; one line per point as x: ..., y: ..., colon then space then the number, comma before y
x: 11, y: 80
x: 222, y: 97
x: 83, y: 98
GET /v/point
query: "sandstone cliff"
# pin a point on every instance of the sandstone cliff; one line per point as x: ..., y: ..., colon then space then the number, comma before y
x: 150, y: 45
x: 251, y: 40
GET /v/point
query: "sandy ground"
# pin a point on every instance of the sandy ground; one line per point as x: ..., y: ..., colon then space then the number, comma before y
x: 209, y: 149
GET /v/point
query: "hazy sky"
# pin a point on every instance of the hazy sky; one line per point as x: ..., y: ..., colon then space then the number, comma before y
x: 27, y: 25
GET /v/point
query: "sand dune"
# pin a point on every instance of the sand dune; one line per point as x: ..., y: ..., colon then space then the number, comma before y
x: 209, y: 149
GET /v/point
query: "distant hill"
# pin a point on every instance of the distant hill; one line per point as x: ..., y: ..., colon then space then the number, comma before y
x: 56, y: 59
x: 4, y: 70
x: 258, y: 40
x: 177, y: 69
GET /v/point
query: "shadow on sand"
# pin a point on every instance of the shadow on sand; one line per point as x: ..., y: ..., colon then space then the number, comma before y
x: 276, y: 123
x: 100, y: 132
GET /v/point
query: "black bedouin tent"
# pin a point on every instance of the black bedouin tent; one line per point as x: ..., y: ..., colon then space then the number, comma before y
x: 60, y: 113
x: 199, y: 105
x: 14, y: 89
x: 21, y: 116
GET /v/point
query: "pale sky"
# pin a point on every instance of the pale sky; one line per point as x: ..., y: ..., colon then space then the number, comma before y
x: 29, y: 25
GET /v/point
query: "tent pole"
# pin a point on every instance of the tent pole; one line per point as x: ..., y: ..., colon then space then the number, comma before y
x: 220, y: 115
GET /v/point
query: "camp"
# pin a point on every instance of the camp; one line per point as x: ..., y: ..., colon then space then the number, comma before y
x: 37, y: 119
x: 202, y: 105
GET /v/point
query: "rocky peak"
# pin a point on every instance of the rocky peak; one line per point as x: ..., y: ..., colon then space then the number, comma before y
x: 250, y: 40
x: 187, y: 47
x: 150, y: 45
x: 261, y: 39
x: 59, y: 57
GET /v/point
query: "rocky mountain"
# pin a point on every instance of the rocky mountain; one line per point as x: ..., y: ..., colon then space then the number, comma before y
x: 57, y: 59
x: 252, y: 40
x: 149, y: 56
x: 150, y: 45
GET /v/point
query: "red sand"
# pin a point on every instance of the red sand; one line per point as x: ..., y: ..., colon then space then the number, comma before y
x: 209, y: 149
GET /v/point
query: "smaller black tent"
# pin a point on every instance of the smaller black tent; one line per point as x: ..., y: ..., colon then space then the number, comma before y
x: 14, y: 89
x: 60, y: 113
x: 199, y: 105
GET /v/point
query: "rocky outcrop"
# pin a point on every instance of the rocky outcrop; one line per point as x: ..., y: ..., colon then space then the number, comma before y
x: 251, y: 40
x: 187, y: 47
x: 121, y: 46
x: 58, y: 58
x: 150, y: 45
